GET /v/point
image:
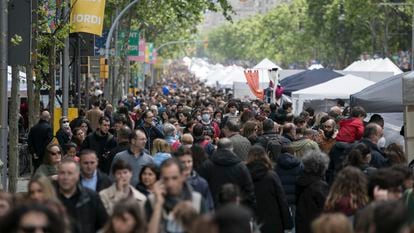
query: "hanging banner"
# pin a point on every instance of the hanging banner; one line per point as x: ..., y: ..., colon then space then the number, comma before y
x: 87, y: 16
x: 141, y: 51
x: 154, y: 57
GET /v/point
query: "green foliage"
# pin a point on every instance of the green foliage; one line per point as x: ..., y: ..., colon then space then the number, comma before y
x: 162, y: 21
x: 16, y: 40
x: 46, y: 37
x: 334, y: 32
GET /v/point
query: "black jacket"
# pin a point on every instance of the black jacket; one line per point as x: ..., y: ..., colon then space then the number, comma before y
x: 311, y: 193
x: 62, y: 137
x: 122, y: 146
x: 272, y: 208
x: 337, y: 157
x: 103, y: 181
x: 289, y: 168
x: 273, y: 149
x: 378, y: 159
x: 102, y: 145
x: 225, y: 167
x: 88, y: 215
x: 40, y: 136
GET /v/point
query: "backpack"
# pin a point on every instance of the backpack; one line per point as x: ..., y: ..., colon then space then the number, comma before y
x: 273, y: 147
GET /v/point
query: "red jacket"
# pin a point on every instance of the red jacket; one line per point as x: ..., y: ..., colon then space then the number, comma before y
x: 350, y: 130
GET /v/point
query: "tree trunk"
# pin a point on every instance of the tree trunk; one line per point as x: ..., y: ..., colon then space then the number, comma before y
x: 121, y: 79
x: 33, y: 108
x: 14, y: 130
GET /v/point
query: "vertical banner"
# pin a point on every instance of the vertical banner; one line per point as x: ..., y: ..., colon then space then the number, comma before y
x: 87, y: 16
x: 141, y: 50
x: 154, y: 57
x: 148, y: 52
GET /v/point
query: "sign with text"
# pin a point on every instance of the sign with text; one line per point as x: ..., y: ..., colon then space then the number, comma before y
x: 87, y: 16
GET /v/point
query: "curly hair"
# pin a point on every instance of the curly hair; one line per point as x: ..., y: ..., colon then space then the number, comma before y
x: 395, y: 154
x: 315, y: 163
x: 352, y: 183
x: 358, y: 155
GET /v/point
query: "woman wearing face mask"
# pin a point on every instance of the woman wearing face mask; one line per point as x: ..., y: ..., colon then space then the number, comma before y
x: 64, y: 134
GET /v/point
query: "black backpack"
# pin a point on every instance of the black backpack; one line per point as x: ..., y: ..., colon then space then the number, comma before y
x: 272, y: 146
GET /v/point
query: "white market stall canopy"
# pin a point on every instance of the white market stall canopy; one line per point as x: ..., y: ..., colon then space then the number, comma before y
x: 263, y: 67
x: 338, y: 88
x: 266, y: 64
x: 226, y: 76
x: 378, y: 65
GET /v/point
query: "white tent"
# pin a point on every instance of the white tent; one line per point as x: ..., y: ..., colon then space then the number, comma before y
x: 377, y: 65
x: 234, y: 74
x: 338, y: 88
x: 266, y: 64
x: 263, y: 67
x: 315, y: 67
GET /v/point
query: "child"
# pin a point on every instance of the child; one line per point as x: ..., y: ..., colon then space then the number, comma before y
x: 70, y: 152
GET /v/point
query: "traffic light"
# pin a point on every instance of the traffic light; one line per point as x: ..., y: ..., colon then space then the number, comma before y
x: 104, y: 68
x: 85, y: 65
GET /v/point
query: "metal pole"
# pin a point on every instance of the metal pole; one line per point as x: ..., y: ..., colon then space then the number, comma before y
x: 3, y: 89
x: 78, y: 73
x: 111, y: 31
x: 65, y: 75
x: 412, y: 41
x: 65, y: 78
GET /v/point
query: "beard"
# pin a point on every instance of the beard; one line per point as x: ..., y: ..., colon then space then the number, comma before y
x: 328, y: 134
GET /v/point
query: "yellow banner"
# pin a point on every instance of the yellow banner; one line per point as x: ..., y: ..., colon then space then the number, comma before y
x: 87, y: 16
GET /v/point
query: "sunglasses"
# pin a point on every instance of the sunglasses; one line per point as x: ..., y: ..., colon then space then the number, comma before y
x: 65, y: 121
x: 55, y: 153
x: 33, y: 229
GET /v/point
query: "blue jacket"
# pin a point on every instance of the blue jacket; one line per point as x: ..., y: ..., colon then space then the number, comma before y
x: 199, y: 184
x: 289, y: 168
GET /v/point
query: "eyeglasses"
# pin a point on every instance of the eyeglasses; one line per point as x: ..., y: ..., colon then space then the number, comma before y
x: 33, y: 229
x: 65, y: 121
x: 55, y: 152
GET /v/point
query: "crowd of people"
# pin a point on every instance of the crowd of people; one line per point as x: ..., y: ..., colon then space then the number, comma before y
x: 182, y: 157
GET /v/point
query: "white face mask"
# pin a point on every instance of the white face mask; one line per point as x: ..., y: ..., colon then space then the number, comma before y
x: 381, y: 142
x: 65, y: 125
x: 205, y: 117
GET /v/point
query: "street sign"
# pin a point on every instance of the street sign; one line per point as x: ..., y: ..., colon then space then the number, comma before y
x: 133, y: 42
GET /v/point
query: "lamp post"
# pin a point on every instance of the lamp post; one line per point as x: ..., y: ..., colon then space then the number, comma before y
x: 412, y: 26
x: 3, y: 89
x: 111, y: 30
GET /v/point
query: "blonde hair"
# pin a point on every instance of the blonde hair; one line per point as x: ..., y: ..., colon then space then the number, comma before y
x: 47, y: 187
x: 187, y: 139
x: 331, y: 223
x: 160, y: 145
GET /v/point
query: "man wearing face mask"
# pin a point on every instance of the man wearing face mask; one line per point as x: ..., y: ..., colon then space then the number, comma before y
x: 64, y: 134
x: 210, y: 128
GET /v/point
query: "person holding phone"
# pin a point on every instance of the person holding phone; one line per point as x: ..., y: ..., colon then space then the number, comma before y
x: 172, y: 198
